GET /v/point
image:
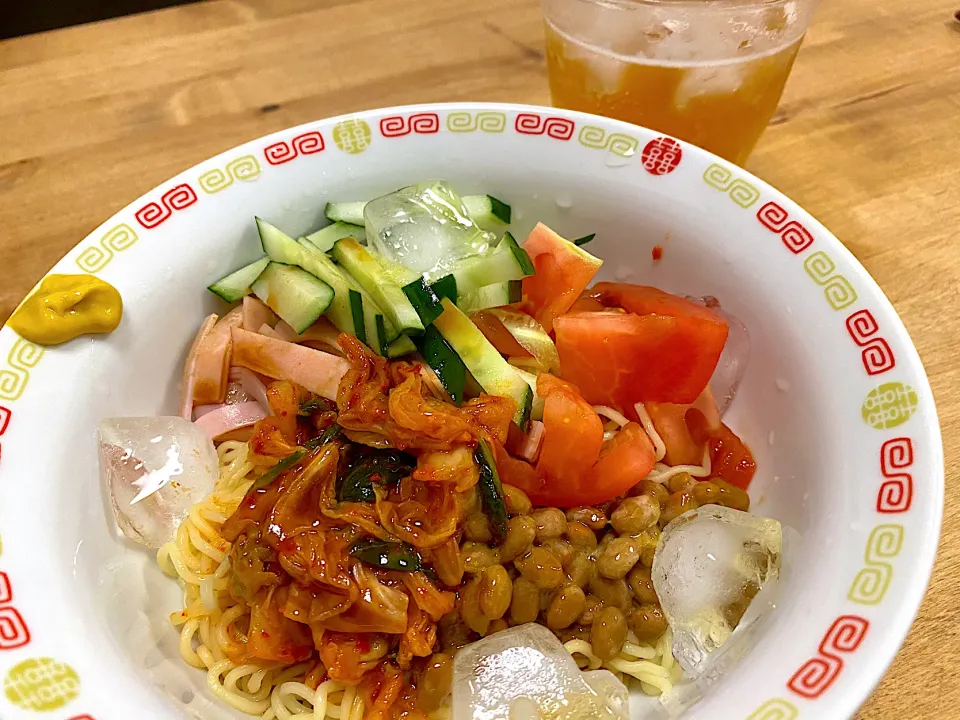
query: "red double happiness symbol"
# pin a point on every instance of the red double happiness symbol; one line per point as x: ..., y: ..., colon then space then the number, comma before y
x: 13, y: 630
x: 177, y: 198
x: 306, y: 144
x: 556, y: 127
x: 420, y: 123
x: 794, y: 235
x: 661, y: 156
x: 896, y: 493
x: 876, y: 355
x: 817, y: 674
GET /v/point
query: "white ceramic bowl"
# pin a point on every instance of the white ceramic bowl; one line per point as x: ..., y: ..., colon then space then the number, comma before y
x: 835, y: 403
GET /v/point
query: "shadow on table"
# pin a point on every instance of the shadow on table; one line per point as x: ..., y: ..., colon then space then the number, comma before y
x: 23, y: 18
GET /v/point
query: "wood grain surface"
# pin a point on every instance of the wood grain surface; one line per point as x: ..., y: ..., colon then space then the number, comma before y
x: 867, y: 138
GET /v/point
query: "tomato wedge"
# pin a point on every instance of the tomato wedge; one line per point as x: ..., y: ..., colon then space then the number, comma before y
x: 626, y: 460
x: 563, y: 271
x: 669, y: 420
x: 624, y: 358
x: 516, y: 472
x: 572, y: 432
x: 730, y: 458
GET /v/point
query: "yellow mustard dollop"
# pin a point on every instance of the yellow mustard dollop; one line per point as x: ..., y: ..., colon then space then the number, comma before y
x: 67, y: 306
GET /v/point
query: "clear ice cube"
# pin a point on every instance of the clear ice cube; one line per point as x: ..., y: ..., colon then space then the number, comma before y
x: 154, y: 469
x: 714, y: 569
x: 732, y: 364
x: 525, y: 673
x: 425, y: 227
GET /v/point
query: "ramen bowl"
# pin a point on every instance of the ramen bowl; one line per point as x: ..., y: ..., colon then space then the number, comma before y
x: 835, y: 403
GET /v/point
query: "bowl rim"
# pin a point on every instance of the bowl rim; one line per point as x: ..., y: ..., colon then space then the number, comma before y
x: 901, y: 618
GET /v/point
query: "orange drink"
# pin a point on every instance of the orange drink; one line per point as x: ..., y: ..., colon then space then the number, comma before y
x: 710, y: 72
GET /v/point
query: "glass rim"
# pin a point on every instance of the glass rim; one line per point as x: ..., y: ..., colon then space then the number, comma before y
x: 705, y: 5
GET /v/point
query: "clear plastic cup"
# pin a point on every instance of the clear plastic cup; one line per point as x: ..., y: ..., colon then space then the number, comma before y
x: 707, y: 71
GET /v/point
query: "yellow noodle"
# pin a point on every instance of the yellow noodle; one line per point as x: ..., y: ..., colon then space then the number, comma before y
x: 660, y: 449
x: 212, y: 633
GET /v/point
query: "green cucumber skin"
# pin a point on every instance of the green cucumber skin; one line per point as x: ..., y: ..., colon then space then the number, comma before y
x: 235, y: 286
x: 447, y: 365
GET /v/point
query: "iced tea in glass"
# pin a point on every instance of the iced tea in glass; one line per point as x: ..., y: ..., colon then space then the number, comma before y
x: 707, y: 71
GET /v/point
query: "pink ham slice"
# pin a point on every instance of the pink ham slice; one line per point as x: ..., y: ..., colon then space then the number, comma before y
x: 190, y: 368
x: 213, y: 360
x: 256, y: 313
x: 269, y: 332
x: 231, y: 422
x: 526, y: 445
x: 318, y: 372
x: 322, y: 335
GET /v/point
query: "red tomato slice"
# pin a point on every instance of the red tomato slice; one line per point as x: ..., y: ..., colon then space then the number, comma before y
x: 624, y: 358
x: 518, y: 473
x: 585, y: 303
x: 572, y: 433
x: 646, y: 300
x: 563, y: 271
x: 626, y: 460
x: 731, y: 459
x: 669, y: 420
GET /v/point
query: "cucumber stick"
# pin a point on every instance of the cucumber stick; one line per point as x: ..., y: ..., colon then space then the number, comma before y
x: 346, y: 310
x: 447, y: 365
x: 489, y: 296
x: 325, y: 238
x: 487, y: 212
x: 237, y: 284
x: 279, y: 246
x: 359, y: 315
x: 494, y: 374
x: 370, y: 275
x: 507, y: 262
x: 294, y: 294
x: 415, y: 287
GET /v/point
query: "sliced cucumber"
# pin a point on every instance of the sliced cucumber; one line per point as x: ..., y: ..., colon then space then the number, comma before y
x: 446, y: 287
x: 370, y: 275
x: 345, y: 212
x: 494, y: 374
x: 447, y: 365
x: 490, y: 296
x: 487, y: 212
x: 507, y: 262
x: 280, y: 247
x: 294, y: 294
x: 401, y: 346
x: 325, y: 238
x: 418, y: 292
x: 237, y: 284
x: 491, y: 490
x: 536, y: 407
x: 346, y: 310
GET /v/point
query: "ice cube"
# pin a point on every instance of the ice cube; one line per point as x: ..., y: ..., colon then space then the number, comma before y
x: 711, y: 565
x: 526, y: 673
x: 425, y: 227
x: 733, y: 360
x: 154, y: 469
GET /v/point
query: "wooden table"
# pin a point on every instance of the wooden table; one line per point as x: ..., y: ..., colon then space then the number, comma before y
x: 867, y: 138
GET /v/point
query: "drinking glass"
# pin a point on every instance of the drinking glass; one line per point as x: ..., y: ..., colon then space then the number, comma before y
x: 707, y: 71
